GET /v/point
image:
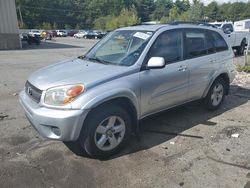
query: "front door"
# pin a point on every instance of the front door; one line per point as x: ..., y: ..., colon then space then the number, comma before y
x: 168, y: 86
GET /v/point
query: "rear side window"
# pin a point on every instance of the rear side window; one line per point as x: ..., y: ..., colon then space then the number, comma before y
x: 195, y: 41
x: 219, y: 43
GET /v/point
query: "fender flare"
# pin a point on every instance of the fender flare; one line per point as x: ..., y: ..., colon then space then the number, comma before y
x: 211, y: 82
x: 114, y: 94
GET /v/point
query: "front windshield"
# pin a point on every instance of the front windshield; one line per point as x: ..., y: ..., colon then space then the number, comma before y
x: 120, y: 47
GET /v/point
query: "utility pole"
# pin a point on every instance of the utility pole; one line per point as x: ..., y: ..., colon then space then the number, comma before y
x: 20, y: 15
x: 247, y: 52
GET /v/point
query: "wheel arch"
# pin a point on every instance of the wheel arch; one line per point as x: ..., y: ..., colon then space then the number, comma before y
x: 225, y: 77
x: 124, y: 102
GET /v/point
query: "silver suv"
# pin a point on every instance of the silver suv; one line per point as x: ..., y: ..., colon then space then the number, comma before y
x: 96, y: 100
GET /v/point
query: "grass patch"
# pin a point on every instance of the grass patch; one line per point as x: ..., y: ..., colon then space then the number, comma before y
x: 245, y: 68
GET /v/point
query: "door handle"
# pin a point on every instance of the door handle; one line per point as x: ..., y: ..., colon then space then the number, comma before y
x: 182, y: 68
x: 212, y: 60
x: 229, y: 35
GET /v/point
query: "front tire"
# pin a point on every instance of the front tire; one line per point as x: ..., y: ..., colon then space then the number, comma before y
x: 106, y: 131
x: 216, y: 95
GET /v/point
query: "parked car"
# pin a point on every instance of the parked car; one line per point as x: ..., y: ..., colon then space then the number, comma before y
x: 238, y: 40
x: 61, y: 33
x: 94, y: 35
x: 23, y: 36
x: 71, y: 33
x: 95, y: 101
x: 54, y: 33
x: 34, y: 32
x: 80, y: 34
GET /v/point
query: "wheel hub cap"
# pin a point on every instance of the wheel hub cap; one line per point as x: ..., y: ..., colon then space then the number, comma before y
x: 217, y: 94
x: 110, y: 133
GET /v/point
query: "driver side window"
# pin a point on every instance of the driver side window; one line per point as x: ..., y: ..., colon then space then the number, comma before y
x: 169, y: 46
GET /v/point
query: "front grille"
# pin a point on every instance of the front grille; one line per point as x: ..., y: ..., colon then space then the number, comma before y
x: 33, y: 92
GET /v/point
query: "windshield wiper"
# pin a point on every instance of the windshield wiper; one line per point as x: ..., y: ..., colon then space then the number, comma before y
x: 98, y: 60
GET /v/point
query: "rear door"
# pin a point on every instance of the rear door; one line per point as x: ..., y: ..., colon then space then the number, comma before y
x: 199, y: 56
x: 207, y: 57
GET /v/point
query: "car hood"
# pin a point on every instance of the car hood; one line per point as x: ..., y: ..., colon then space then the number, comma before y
x: 76, y: 71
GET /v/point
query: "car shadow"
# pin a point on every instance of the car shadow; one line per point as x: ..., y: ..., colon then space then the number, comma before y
x: 161, y: 127
x: 47, y: 45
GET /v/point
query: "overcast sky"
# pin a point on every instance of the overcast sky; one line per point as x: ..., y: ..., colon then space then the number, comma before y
x: 222, y: 1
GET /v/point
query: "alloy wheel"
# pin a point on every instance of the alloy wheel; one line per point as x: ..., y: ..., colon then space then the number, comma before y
x: 217, y: 94
x: 110, y: 133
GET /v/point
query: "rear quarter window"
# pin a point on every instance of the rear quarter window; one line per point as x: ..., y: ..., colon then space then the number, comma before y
x: 218, y: 41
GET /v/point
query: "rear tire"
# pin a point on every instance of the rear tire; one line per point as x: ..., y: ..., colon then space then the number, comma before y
x: 216, y: 95
x: 240, y: 49
x: 105, y: 132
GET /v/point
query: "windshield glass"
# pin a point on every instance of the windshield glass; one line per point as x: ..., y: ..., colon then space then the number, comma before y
x: 120, y: 47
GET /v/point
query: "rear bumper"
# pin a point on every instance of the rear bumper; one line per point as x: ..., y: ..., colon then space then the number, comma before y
x: 64, y: 125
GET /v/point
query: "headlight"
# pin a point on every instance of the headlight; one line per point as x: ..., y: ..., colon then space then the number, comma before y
x: 59, y: 96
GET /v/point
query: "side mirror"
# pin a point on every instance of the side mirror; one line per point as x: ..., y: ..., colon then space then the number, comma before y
x: 156, y: 63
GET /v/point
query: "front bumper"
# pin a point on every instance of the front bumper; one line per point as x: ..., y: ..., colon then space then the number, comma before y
x: 64, y: 125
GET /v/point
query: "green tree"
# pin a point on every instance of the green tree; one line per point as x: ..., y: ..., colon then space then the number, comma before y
x: 55, y: 27
x: 144, y: 9
x: 162, y: 9
x: 45, y: 25
x: 196, y: 12
x: 67, y: 26
x: 236, y: 11
x: 173, y: 14
x: 101, y: 23
x: 77, y: 27
x: 89, y: 13
x: 212, y: 11
x: 223, y: 11
x: 127, y: 17
x: 246, y: 13
x: 186, y: 5
x: 182, y: 5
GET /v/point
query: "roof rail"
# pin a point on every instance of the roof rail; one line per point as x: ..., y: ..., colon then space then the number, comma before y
x: 193, y: 23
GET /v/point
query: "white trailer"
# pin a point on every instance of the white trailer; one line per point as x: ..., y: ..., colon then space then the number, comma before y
x: 242, y: 25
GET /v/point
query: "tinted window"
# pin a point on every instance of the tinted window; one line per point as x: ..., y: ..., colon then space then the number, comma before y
x: 168, y: 45
x: 227, y: 28
x: 210, y: 44
x: 195, y: 43
x: 219, y: 43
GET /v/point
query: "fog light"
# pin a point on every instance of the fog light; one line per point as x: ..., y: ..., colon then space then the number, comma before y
x: 56, y: 131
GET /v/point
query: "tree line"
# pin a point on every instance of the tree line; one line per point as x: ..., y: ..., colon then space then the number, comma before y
x: 111, y: 14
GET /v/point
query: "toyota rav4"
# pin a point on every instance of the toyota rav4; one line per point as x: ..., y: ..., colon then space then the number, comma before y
x: 96, y: 100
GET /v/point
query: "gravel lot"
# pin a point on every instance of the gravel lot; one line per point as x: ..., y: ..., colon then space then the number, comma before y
x: 184, y: 147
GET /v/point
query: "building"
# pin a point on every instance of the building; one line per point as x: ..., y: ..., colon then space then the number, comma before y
x: 9, y: 35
